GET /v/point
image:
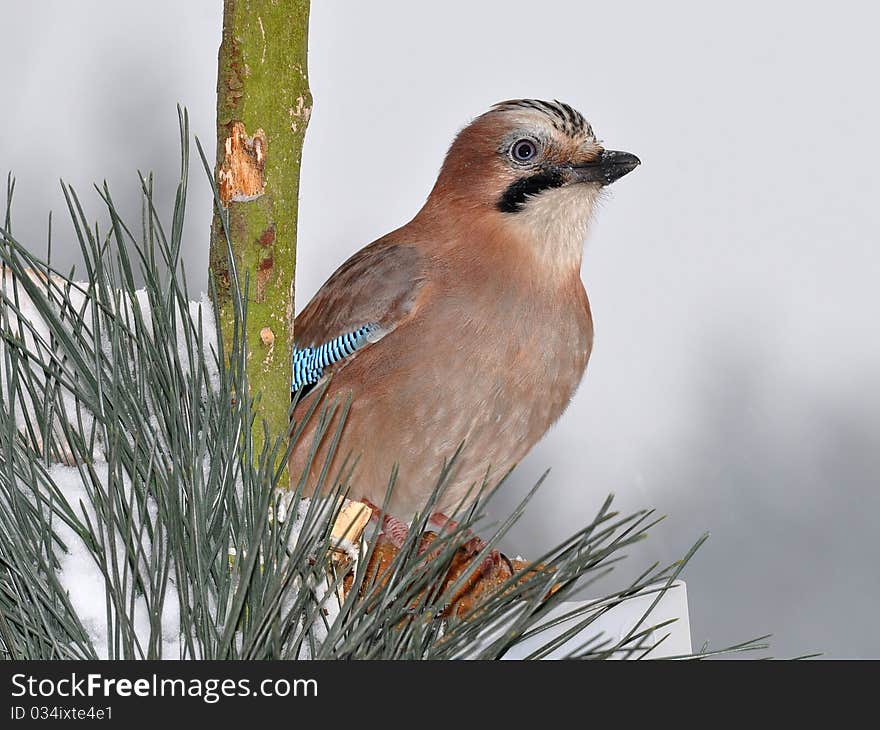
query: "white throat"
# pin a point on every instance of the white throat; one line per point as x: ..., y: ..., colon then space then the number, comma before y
x: 555, y: 225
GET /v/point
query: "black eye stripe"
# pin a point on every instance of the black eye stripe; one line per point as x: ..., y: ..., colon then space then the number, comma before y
x: 514, y: 198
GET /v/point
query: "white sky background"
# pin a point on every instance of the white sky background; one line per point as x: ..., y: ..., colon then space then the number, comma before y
x: 733, y: 276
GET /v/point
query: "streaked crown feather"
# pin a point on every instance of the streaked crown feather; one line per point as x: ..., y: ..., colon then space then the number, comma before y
x: 564, y: 117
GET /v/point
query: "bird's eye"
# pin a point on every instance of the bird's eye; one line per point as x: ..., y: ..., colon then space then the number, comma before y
x: 523, y: 150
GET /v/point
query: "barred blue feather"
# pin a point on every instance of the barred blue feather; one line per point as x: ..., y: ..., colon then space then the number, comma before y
x: 309, y: 362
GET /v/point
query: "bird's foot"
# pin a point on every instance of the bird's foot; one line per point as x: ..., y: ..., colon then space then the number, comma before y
x: 394, y: 531
x: 472, y: 547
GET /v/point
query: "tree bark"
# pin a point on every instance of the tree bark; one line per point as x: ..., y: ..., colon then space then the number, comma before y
x: 263, y: 108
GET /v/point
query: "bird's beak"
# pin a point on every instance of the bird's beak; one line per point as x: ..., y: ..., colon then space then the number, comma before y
x: 608, y: 167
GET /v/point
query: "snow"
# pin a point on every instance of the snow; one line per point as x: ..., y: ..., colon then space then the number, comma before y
x: 37, y: 339
x: 81, y: 570
x: 81, y: 573
x: 87, y: 574
x: 320, y: 588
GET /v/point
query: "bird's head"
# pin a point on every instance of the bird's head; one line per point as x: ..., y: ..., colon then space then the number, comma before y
x: 534, y: 168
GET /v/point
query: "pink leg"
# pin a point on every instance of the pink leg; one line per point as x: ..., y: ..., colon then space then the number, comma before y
x: 474, y: 544
x: 395, y: 532
x: 393, y: 529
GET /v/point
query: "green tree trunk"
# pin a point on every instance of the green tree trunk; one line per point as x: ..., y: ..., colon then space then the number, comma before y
x: 263, y: 108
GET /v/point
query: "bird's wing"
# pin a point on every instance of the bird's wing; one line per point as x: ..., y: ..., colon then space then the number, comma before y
x: 366, y: 298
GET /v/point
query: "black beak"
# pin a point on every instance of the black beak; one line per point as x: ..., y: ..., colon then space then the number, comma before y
x: 610, y: 166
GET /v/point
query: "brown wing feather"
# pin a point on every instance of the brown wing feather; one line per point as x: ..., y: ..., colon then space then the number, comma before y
x: 380, y: 284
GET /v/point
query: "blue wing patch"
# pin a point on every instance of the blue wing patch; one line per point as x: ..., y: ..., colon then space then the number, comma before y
x: 309, y: 362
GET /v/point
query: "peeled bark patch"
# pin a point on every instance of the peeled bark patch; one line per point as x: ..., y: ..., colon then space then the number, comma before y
x: 242, y: 173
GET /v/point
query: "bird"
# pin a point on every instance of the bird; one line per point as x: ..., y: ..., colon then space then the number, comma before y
x: 468, y: 328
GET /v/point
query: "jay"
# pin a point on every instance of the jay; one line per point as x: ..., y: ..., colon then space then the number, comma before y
x: 468, y: 325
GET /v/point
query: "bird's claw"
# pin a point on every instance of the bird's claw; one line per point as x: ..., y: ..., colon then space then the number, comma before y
x: 394, y: 531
